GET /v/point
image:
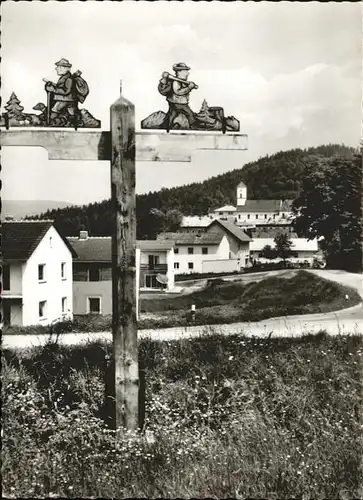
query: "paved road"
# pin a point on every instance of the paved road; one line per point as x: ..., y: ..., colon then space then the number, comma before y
x: 336, y: 323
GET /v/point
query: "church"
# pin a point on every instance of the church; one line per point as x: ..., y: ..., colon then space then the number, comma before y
x: 252, y: 213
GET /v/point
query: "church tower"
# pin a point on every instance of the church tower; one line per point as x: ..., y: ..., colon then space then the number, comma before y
x: 241, y: 194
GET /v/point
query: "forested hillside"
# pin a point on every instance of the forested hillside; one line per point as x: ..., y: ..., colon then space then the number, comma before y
x: 272, y: 177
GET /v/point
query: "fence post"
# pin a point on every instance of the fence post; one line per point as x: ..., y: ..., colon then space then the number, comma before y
x: 124, y: 323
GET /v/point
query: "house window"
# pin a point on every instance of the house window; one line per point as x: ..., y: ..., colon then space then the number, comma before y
x: 63, y: 270
x: 205, y: 250
x: 248, y: 216
x: 64, y: 305
x: 176, y: 250
x: 256, y: 216
x: 42, y: 309
x: 94, y: 305
x: 239, y: 216
x: 6, y: 276
x: 41, y: 272
x: 190, y: 265
x: 94, y: 274
x: 190, y: 250
x: 50, y: 242
x: 176, y: 265
x: 265, y: 216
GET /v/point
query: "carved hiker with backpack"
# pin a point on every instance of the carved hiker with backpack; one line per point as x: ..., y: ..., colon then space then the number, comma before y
x: 61, y: 110
x: 64, y: 96
x: 176, y: 88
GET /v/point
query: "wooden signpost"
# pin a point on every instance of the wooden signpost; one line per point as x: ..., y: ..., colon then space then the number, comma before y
x: 122, y: 145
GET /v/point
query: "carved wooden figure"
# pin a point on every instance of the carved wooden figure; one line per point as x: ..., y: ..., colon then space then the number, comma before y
x: 176, y: 88
x: 62, y: 108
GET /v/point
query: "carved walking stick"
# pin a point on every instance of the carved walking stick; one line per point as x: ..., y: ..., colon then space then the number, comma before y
x: 49, y: 106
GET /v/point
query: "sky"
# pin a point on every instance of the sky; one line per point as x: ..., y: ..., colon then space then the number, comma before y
x: 289, y: 71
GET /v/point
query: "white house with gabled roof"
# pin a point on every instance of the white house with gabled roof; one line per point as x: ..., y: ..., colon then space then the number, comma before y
x: 36, y: 274
x: 219, y: 247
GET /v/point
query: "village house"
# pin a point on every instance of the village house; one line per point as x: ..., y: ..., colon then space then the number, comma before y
x: 36, y: 274
x: 219, y: 247
x: 227, y: 212
x: 306, y: 250
x: 92, y: 271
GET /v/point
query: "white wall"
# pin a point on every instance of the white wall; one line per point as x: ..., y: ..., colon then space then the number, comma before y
x: 215, y: 252
x: 51, y: 251
x: 221, y: 266
x: 271, y: 217
x: 170, y: 273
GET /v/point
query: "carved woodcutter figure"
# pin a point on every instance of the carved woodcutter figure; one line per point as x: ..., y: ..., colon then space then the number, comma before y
x: 176, y: 89
x: 62, y: 108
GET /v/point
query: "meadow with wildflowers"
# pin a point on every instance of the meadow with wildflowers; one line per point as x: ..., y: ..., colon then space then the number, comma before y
x: 224, y: 417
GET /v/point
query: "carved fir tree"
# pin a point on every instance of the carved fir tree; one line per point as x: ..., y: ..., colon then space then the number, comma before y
x: 13, y: 107
x: 203, y: 115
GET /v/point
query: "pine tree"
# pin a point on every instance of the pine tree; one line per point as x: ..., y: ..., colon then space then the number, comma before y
x: 13, y: 107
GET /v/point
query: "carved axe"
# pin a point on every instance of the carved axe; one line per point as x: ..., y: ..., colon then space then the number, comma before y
x: 171, y: 77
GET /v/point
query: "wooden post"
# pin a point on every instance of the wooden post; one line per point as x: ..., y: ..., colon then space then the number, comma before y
x: 124, y: 324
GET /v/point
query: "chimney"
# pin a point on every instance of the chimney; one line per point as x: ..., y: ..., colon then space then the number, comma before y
x: 83, y: 235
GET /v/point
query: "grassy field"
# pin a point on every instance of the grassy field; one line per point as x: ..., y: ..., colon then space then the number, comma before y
x: 226, y: 302
x: 225, y: 417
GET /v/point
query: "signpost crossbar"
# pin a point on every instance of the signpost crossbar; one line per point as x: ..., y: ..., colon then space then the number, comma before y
x: 96, y: 144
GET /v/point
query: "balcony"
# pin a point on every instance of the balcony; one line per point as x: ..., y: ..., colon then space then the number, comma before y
x: 155, y: 268
x: 8, y: 294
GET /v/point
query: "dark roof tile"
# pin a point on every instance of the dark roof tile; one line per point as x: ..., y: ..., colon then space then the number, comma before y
x: 21, y: 238
x: 99, y: 249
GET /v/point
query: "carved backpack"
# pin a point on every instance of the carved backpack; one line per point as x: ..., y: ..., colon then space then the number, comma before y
x: 165, y: 87
x: 80, y: 86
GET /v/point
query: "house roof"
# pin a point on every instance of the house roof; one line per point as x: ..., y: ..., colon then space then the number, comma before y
x: 241, y: 184
x: 99, y: 249
x: 200, y: 238
x: 155, y: 245
x: 196, y: 221
x: 21, y: 238
x: 234, y: 230
x: 260, y: 206
x: 265, y: 206
x: 298, y: 244
x: 226, y: 208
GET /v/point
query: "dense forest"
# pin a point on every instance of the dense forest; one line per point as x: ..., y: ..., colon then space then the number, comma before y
x: 278, y: 176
